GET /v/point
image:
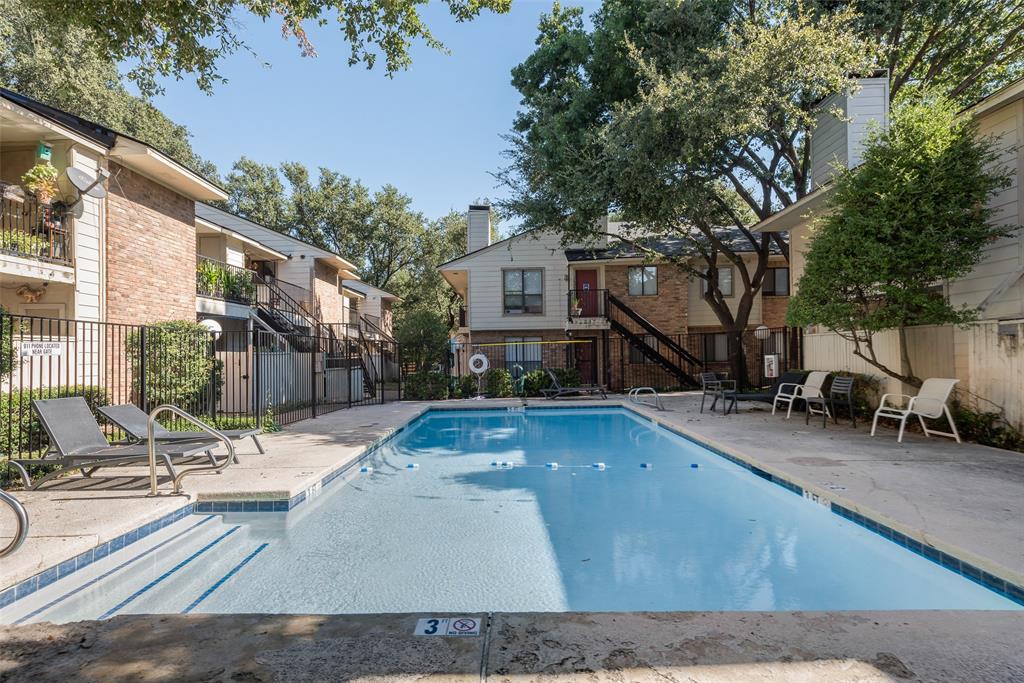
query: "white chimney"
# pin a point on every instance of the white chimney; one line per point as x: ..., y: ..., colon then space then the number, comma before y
x: 840, y: 140
x: 479, y: 226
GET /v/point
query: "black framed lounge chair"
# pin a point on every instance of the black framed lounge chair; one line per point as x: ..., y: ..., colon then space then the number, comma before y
x: 557, y: 389
x: 788, y: 377
x: 134, y: 421
x: 77, y: 443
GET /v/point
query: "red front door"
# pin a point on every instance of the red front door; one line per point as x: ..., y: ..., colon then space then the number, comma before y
x: 586, y: 292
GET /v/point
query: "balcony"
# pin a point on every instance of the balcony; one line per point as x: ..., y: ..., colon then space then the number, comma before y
x: 35, y: 231
x: 224, y: 282
x: 462, y: 317
x: 588, y: 309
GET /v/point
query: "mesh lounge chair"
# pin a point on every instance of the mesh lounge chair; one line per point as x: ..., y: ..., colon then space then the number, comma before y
x: 134, y: 421
x: 716, y: 387
x: 77, y: 443
x: 788, y: 377
x: 557, y: 389
x: 788, y: 394
x: 930, y: 402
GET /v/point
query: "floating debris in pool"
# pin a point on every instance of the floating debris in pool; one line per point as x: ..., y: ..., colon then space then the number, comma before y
x: 598, y: 466
x: 412, y: 466
x: 694, y: 465
x: 647, y: 466
x: 552, y: 465
x: 366, y: 469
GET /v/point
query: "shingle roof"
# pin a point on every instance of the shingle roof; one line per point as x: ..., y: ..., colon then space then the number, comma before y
x: 665, y: 246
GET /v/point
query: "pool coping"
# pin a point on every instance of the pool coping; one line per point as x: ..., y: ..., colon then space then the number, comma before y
x: 979, y: 570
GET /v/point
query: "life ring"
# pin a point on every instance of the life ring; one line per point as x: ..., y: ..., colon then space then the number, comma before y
x: 478, y: 363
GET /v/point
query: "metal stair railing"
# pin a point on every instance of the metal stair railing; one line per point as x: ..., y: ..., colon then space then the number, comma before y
x: 653, y: 330
x: 22, y: 514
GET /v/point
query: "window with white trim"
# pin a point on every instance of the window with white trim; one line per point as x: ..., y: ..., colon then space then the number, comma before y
x: 523, y: 291
x: 643, y: 280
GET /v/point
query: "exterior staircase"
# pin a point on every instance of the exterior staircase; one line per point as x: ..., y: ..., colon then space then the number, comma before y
x: 668, y: 354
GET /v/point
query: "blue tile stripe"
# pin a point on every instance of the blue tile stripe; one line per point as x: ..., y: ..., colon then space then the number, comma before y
x: 142, y: 591
x: 109, y: 572
x: 220, y: 582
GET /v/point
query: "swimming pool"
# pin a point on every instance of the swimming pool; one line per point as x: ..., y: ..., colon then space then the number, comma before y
x: 529, y: 510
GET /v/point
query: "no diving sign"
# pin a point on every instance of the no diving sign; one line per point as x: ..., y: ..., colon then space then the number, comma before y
x: 448, y: 626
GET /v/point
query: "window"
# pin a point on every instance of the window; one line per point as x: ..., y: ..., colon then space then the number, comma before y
x: 636, y: 356
x: 716, y: 347
x: 643, y: 280
x: 523, y: 291
x: 776, y: 282
x: 724, y: 281
x: 522, y: 354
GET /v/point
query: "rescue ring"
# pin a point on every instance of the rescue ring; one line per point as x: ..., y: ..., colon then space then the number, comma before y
x: 478, y: 363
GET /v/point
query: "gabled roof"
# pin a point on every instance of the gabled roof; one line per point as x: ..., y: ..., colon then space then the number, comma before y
x: 366, y: 288
x: 664, y: 246
x: 94, y: 131
x: 490, y: 246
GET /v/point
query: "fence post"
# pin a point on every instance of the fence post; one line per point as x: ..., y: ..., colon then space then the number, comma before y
x: 142, y: 368
x: 257, y: 396
x: 398, y: 362
x: 312, y: 374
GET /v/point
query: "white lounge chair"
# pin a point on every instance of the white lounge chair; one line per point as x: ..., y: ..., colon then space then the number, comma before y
x: 930, y: 402
x: 788, y: 394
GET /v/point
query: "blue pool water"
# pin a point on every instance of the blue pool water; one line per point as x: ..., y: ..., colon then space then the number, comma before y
x: 692, y: 531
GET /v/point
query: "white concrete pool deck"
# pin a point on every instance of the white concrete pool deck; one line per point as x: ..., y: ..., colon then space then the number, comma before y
x: 963, y: 498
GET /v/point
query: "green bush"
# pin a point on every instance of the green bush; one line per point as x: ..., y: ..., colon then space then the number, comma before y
x: 24, y: 243
x: 567, y: 377
x: 25, y: 434
x: 467, y: 385
x: 534, y: 381
x: 180, y: 366
x: 986, y: 428
x: 498, y: 383
x: 8, y: 361
x: 426, y: 386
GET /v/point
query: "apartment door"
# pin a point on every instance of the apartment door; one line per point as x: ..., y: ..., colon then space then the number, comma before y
x: 586, y: 361
x: 586, y: 291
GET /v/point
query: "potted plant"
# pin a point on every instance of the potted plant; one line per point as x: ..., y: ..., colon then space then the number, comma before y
x: 41, y: 180
x: 577, y: 307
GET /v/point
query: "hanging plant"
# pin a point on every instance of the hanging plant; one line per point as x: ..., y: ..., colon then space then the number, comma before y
x: 41, y: 180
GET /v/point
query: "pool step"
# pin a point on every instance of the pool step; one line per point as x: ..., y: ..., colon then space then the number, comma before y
x: 188, y: 556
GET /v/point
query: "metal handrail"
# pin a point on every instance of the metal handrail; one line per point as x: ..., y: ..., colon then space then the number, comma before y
x: 22, y: 515
x: 634, y: 396
x: 151, y: 438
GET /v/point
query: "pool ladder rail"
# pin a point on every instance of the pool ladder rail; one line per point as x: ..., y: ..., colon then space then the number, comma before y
x: 637, y: 393
x: 22, y: 532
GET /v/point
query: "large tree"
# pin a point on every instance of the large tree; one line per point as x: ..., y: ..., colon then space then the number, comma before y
x: 174, y: 38
x: 914, y: 215
x: 62, y: 69
x: 692, y: 119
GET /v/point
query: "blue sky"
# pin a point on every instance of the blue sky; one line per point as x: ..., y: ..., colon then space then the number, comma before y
x: 433, y: 130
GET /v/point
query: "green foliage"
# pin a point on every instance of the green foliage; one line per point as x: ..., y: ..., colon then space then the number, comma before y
x: 8, y: 361
x: 425, y: 386
x: 25, y: 434
x: 423, y: 337
x: 497, y: 383
x: 171, y: 39
x: 913, y: 214
x: 534, y: 381
x: 567, y: 377
x: 41, y: 179
x: 987, y: 428
x: 24, y: 243
x: 64, y: 67
x: 219, y: 280
x: 180, y: 366
x: 464, y: 386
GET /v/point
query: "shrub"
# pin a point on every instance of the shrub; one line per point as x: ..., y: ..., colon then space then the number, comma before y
x: 180, y: 366
x: 8, y: 361
x: 426, y: 386
x: 467, y: 385
x: 986, y: 427
x: 567, y: 377
x: 498, y: 383
x: 534, y: 381
x: 25, y: 434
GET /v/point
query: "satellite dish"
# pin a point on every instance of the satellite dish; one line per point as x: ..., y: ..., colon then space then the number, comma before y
x: 87, y: 186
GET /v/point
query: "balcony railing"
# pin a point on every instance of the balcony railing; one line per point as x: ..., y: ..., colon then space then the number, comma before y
x: 32, y: 230
x: 588, y: 303
x: 218, y: 280
x: 462, y: 316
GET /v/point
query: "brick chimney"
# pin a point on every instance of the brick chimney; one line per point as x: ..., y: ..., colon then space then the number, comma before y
x: 479, y: 222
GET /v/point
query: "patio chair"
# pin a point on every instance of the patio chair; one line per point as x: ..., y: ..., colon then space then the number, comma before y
x: 712, y: 385
x: 77, y: 443
x: 556, y: 389
x: 134, y: 421
x: 930, y: 402
x: 788, y: 377
x: 789, y: 394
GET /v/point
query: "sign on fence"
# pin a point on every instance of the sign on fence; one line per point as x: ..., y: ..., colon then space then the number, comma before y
x: 42, y: 348
x: 771, y: 366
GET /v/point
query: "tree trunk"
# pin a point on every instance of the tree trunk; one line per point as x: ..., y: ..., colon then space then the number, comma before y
x: 738, y: 359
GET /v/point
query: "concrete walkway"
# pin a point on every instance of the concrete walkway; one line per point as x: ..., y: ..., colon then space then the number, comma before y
x: 845, y: 647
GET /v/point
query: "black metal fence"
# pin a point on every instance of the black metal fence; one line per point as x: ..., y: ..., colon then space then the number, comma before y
x: 230, y: 379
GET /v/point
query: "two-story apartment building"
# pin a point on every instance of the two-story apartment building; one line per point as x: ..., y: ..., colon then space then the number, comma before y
x: 985, y: 356
x: 120, y: 252
x: 610, y: 311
